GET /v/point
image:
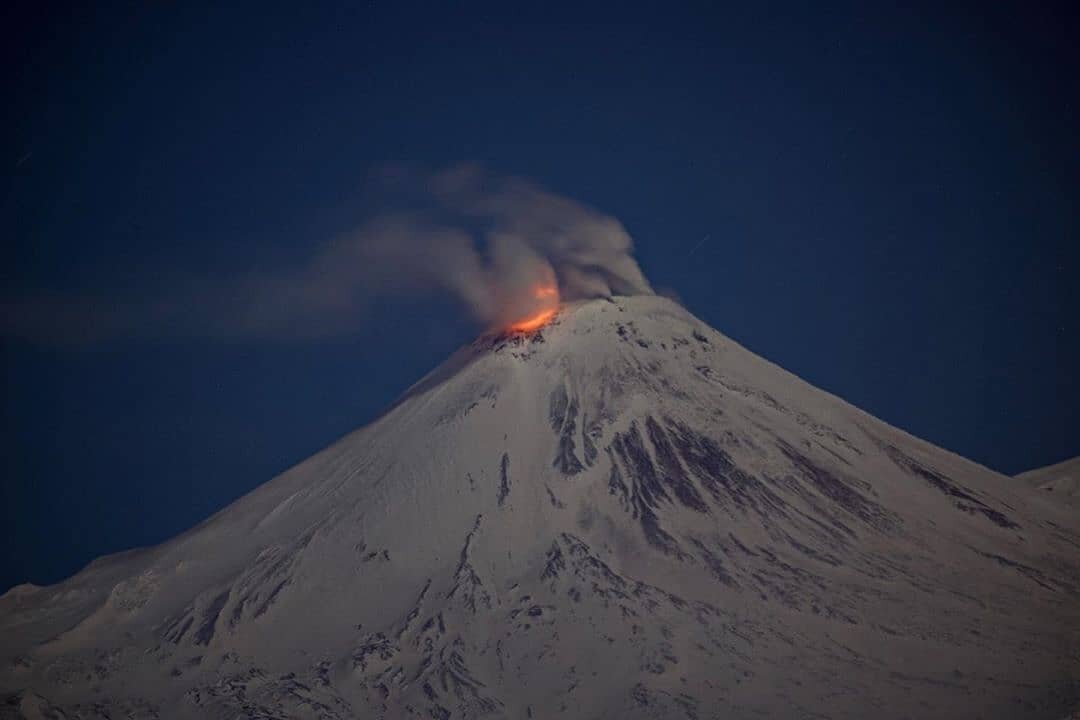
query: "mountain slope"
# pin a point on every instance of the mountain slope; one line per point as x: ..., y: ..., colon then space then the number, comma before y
x: 1061, y: 480
x: 624, y: 514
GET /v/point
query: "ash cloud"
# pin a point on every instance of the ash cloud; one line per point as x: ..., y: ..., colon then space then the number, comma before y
x: 486, y: 240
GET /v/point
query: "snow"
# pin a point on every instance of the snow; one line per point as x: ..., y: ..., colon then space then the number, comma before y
x: 1061, y: 480
x: 624, y: 514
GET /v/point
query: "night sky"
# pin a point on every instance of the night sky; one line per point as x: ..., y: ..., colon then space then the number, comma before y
x: 881, y: 201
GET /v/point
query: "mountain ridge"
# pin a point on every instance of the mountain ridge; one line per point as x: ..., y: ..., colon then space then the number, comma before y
x: 1061, y: 480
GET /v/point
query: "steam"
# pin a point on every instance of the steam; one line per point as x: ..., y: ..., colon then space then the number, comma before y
x: 488, y: 241
x: 590, y: 254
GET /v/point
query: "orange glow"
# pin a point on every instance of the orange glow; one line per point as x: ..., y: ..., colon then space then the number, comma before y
x: 548, y: 295
x: 535, y: 322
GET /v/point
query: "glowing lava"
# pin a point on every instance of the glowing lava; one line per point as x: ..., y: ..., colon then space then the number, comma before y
x: 548, y: 297
x: 535, y: 322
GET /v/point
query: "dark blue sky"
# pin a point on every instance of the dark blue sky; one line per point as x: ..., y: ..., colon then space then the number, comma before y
x: 888, y: 202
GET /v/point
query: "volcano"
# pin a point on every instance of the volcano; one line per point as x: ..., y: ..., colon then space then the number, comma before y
x: 623, y: 514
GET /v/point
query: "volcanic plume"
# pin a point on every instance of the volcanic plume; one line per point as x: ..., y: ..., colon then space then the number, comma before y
x: 525, y: 249
x: 486, y: 240
x: 506, y: 249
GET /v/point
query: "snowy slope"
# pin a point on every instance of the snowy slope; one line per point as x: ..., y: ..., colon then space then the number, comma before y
x: 1061, y: 481
x: 622, y: 515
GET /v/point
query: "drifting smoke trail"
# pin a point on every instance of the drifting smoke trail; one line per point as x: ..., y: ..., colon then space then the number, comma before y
x: 508, y: 250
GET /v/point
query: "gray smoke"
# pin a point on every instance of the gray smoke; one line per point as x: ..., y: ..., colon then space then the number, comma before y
x: 487, y: 240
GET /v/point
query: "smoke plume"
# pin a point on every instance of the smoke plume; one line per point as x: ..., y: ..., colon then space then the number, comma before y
x: 498, y: 245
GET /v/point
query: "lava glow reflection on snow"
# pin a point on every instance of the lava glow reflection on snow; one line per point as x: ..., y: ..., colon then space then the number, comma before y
x: 548, y: 301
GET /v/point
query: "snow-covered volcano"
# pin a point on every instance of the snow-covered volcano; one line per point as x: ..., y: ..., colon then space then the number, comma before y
x: 622, y: 515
